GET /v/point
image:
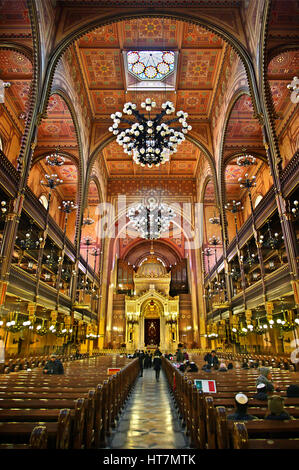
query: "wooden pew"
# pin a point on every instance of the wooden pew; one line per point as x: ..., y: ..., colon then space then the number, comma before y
x: 242, y: 441
x: 231, y: 435
x: 38, y: 440
x: 195, y: 406
x: 99, y: 413
x: 59, y: 433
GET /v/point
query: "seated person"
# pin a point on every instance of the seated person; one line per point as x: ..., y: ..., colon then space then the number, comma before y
x: 206, y: 368
x: 230, y: 366
x: 265, y: 377
x: 222, y: 367
x: 211, y: 359
x: 261, y: 392
x: 53, y: 366
x: 293, y: 391
x: 245, y: 365
x: 240, y: 413
x: 192, y: 367
x: 276, y: 409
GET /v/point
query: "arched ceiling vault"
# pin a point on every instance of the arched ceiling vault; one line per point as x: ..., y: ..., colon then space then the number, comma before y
x: 201, y: 51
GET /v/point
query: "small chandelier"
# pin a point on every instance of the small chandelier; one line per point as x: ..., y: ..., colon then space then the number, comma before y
x: 54, y: 159
x: 51, y: 181
x: 88, y: 220
x: 151, y: 220
x: 150, y: 140
x: 68, y: 206
x: 246, y: 160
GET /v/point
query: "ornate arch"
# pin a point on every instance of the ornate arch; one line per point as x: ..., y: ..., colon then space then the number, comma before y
x: 233, y: 155
x: 92, y: 178
x: 242, y: 91
x: 58, y: 91
x: 169, y: 245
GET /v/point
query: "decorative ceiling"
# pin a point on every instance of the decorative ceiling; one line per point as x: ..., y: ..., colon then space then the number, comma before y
x: 242, y: 127
x: 16, y: 69
x: 183, y: 162
x: 14, y: 19
x: 281, y: 71
x: 97, y: 69
x: 102, y: 67
x: 58, y: 128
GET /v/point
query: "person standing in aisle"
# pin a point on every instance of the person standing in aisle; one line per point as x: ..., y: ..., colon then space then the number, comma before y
x: 157, y: 366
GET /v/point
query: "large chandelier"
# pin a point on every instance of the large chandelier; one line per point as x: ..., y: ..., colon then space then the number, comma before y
x: 150, y: 140
x: 151, y: 220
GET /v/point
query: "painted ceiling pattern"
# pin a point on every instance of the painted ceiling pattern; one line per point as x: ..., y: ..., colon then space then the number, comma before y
x: 17, y: 70
x: 20, y: 94
x: 150, y: 32
x: 14, y: 19
x: 14, y: 64
x: 210, y: 192
x: 281, y: 71
x: 100, y: 88
x: 102, y: 68
x: 242, y: 125
x: 183, y: 162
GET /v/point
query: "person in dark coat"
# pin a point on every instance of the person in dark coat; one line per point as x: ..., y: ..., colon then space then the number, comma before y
x: 245, y: 364
x: 53, y: 366
x: 157, y: 352
x: 212, y: 359
x: 240, y: 414
x: 147, y: 361
x: 157, y: 363
x: 192, y: 367
x: 276, y: 409
x: 141, y: 362
x: 179, y: 356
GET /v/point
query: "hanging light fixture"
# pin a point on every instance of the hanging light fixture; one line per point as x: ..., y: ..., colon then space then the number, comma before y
x: 54, y: 159
x: 214, y: 220
x: 150, y: 140
x: 246, y: 160
x: 151, y: 220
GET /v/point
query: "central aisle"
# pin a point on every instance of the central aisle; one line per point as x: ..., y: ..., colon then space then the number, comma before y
x: 149, y: 420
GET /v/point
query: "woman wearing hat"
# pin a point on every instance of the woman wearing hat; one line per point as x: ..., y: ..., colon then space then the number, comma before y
x: 265, y: 377
x: 276, y: 409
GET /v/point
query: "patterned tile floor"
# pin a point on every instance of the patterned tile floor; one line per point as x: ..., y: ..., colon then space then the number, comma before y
x: 149, y: 420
